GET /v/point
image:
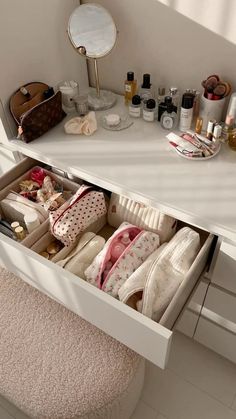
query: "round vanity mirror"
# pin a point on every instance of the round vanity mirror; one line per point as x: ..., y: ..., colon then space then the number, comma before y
x: 92, y: 27
x: 93, y: 33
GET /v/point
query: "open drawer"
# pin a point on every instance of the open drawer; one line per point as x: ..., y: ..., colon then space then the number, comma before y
x: 150, y: 339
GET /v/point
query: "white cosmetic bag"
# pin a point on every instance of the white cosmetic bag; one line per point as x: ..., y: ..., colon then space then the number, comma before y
x: 124, y: 209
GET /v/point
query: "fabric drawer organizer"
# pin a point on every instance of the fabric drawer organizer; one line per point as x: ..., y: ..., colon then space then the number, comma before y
x: 12, y: 205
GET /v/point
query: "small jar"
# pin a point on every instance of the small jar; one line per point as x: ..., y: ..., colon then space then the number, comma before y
x: 135, y: 107
x: 149, y: 110
x: 81, y: 105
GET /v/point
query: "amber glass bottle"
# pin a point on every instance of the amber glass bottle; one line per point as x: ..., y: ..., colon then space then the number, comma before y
x: 130, y: 87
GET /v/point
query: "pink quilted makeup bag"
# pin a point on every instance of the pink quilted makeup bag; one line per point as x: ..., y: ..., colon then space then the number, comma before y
x: 142, y: 244
x: 86, y: 207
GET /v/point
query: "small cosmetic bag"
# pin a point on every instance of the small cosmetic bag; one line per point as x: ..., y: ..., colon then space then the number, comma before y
x: 142, y: 244
x: 87, y: 248
x: 36, y: 109
x: 124, y: 209
x: 71, y: 219
x: 153, y: 285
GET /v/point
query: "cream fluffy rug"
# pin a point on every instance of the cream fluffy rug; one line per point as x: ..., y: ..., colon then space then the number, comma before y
x: 53, y: 363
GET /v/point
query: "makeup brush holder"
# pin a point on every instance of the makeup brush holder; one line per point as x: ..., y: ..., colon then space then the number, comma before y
x: 211, y: 109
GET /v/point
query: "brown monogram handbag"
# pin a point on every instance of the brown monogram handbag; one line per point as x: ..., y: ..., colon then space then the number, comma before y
x: 36, y: 109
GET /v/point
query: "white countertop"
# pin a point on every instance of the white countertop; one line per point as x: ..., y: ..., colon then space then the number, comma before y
x: 139, y: 162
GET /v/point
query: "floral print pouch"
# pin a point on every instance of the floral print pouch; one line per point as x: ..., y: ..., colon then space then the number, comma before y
x: 143, y: 243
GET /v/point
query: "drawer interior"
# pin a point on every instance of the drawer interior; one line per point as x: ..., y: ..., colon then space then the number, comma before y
x: 189, y: 283
x: 152, y: 340
x: 20, y: 173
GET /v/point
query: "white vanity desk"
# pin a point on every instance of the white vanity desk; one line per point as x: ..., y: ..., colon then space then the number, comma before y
x: 139, y: 163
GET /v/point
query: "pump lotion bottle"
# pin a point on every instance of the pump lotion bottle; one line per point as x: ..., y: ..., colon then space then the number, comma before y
x: 186, y: 112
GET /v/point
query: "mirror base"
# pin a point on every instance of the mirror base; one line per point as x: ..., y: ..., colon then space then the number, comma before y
x: 105, y: 101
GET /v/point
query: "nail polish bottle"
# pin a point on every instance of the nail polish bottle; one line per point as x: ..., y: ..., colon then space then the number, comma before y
x: 149, y: 110
x: 169, y: 117
x: 130, y: 87
x: 135, y: 107
x: 186, y: 112
x: 145, y: 90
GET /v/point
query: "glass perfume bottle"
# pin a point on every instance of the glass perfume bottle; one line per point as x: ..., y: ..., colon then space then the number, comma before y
x: 130, y: 87
x: 228, y: 128
x: 135, y: 107
x: 169, y: 117
x: 174, y: 94
x: 145, y: 90
x: 149, y: 110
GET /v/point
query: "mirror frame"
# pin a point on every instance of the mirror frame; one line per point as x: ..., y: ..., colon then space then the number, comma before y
x: 77, y: 48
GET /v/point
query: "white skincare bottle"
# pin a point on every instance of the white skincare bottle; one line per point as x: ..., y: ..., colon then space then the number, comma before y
x: 149, y: 110
x: 186, y: 112
x: 135, y: 107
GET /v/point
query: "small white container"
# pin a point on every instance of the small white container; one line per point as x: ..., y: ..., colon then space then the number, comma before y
x: 31, y: 222
x: 135, y: 107
x: 211, y: 109
x: 149, y: 110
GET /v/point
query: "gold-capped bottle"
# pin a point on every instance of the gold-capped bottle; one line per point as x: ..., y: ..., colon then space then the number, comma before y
x: 130, y: 87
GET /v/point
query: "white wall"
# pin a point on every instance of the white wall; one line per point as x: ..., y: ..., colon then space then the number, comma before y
x: 34, y: 44
x: 180, y: 42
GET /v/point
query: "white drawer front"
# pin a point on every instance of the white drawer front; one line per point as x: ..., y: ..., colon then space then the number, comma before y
x: 141, y: 334
x: 216, y: 338
x: 222, y: 303
x: 150, y: 339
x: 224, y: 273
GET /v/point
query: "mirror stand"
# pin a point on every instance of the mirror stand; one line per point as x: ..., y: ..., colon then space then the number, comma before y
x: 100, y: 99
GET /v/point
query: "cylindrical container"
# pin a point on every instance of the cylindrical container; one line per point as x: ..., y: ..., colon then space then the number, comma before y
x: 130, y: 87
x: 232, y: 106
x: 81, y: 105
x: 68, y: 89
x: 135, y: 107
x: 232, y: 140
x: 14, y: 225
x: 210, y: 109
x: 198, y: 126
x: 210, y: 129
x: 186, y: 112
x: 145, y: 90
x: 217, y: 134
x: 20, y: 233
x: 149, y: 110
x: 31, y: 222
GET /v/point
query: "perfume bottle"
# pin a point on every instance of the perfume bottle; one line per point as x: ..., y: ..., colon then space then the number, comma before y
x: 161, y: 95
x: 149, y: 110
x: 135, y: 107
x: 145, y: 90
x: 169, y: 117
x: 174, y: 94
x: 232, y: 140
x: 228, y: 128
x: 162, y: 107
x: 130, y: 87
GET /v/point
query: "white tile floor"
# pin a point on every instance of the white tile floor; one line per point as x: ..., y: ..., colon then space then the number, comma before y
x: 198, y: 384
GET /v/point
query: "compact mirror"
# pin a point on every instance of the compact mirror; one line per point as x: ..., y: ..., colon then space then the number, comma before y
x: 93, y: 33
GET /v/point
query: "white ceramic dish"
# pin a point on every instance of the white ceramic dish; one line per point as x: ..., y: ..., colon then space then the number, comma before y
x: 199, y: 158
x: 125, y: 122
